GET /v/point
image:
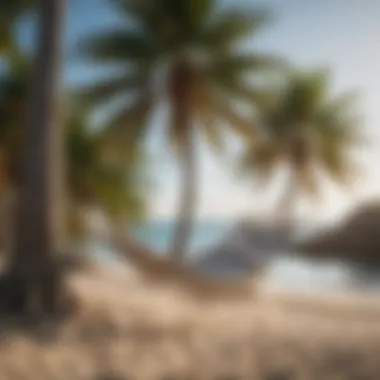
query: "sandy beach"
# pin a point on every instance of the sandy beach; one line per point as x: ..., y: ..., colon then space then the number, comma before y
x: 130, y: 330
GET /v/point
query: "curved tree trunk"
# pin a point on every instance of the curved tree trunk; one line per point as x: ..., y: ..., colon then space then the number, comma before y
x: 34, y: 281
x: 184, y: 225
x: 180, y: 93
x: 286, y: 209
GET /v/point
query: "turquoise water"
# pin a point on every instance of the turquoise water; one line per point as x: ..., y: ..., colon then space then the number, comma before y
x: 159, y: 235
x: 285, y: 270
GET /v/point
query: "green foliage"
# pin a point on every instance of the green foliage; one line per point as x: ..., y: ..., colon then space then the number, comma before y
x: 158, y: 38
x: 10, y: 12
x: 94, y: 181
x: 101, y: 181
x: 307, y: 128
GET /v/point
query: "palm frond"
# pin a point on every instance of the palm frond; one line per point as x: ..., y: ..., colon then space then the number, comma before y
x: 176, y: 20
x: 95, y: 181
x: 107, y: 90
x: 227, y: 113
x: 118, y: 46
x: 338, y: 164
x: 117, y: 195
x: 238, y: 64
x: 137, y: 10
x: 128, y: 126
x: 338, y: 119
x: 232, y: 26
x: 7, y: 43
x: 233, y: 85
x: 10, y: 11
x: 161, y: 20
x: 260, y: 161
x: 305, y: 93
x: 310, y: 130
x: 345, y: 102
x: 199, y: 12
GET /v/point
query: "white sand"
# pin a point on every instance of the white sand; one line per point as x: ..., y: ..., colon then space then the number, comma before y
x: 144, y: 332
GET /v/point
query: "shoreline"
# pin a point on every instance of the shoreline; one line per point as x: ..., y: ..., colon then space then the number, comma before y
x: 358, y: 301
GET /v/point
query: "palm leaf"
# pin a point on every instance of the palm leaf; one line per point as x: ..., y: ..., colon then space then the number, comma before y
x: 199, y: 12
x: 232, y: 85
x: 238, y: 64
x: 226, y: 111
x: 116, y: 195
x: 304, y: 95
x: 95, y: 181
x: 339, y: 119
x: 232, y: 26
x: 261, y: 160
x: 137, y: 10
x: 127, y: 128
x: 107, y: 90
x: 160, y: 20
x: 10, y: 11
x: 7, y: 43
x: 338, y: 165
x: 118, y: 46
x: 176, y: 20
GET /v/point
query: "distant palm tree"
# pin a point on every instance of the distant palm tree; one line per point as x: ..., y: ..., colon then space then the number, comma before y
x: 34, y: 283
x: 310, y: 132
x: 183, y: 54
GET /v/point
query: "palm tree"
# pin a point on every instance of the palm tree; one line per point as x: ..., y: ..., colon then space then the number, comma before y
x: 34, y: 284
x: 184, y: 55
x: 308, y: 131
x: 94, y: 181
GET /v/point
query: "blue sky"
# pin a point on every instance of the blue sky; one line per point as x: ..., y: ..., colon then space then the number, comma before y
x: 341, y: 34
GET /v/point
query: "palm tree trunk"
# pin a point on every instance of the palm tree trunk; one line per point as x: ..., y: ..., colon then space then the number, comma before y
x: 183, y: 228
x: 34, y: 281
x: 287, y: 203
x: 180, y: 83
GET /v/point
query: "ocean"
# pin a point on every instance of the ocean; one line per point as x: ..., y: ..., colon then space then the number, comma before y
x: 285, y: 269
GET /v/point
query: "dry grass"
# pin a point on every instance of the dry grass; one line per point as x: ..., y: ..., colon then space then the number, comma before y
x: 134, y: 331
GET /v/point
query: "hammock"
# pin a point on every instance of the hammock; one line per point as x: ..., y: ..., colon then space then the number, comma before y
x: 159, y: 270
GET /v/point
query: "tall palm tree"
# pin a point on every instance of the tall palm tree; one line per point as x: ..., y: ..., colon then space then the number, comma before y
x: 183, y: 54
x: 34, y: 283
x: 94, y: 181
x: 310, y: 132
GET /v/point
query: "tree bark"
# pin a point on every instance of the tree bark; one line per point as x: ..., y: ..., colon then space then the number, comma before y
x: 34, y: 279
x: 184, y: 225
x: 180, y: 92
x: 286, y: 208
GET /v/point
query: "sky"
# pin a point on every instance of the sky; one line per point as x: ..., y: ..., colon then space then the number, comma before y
x: 343, y: 35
